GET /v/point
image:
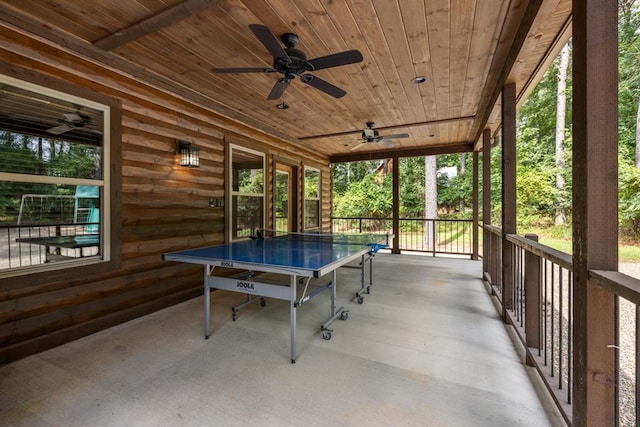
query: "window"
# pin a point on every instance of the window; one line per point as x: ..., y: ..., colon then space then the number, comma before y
x: 311, y: 198
x: 246, y: 210
x: 54, y: 186
x: 282, y: 203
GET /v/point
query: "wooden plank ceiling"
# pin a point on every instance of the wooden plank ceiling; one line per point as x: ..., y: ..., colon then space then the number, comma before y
x: 466, y: 49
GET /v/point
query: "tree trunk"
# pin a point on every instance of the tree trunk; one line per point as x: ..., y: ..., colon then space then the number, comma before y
x: 463, y: 166
x: 430, y: 202
x: 638, y: 136
x: 561, y: 112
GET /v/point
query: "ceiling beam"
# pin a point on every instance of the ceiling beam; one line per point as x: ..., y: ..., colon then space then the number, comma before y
x: 533, y: 6
x: 154, y: 23
x: 358, y: 131
x: 453, y: 148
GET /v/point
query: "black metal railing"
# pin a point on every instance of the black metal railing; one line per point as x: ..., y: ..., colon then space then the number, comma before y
x: 30, y: 245
x: 540, y: 305
x: 435, y: 236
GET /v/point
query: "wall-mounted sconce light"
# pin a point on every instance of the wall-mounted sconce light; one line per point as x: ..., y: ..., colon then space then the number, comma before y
x: 189, y: 154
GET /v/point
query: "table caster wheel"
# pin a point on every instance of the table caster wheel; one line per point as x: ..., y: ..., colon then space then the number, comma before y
x: 360, y: 300
x: 344, y: 315
x: 326, y: 335
x: 368, y: 289
x: 234, y: 315
x: 262, y: 302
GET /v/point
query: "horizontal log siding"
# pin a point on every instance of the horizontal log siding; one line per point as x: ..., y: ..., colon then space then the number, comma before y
x: 163, y: 207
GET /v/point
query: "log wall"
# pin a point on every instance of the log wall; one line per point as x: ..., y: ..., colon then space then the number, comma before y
x: 158, y: 206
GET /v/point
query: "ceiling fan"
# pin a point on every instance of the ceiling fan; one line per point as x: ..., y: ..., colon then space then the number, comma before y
x: 292, y: 63
x: 73, y: 121
x: 371, y: 135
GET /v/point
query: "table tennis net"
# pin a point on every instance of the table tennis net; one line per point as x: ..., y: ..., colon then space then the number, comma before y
x: 330, y: 238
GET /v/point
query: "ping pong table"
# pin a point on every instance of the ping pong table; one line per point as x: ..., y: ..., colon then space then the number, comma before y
x: 275, y: 265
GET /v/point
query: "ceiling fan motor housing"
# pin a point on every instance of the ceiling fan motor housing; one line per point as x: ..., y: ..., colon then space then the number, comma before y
x: 293, y: 66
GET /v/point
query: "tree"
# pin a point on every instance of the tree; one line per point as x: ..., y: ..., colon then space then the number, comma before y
x: 561, y: 111
x: 412, y: 187
x: 629, y: 115
x: 430, y: 198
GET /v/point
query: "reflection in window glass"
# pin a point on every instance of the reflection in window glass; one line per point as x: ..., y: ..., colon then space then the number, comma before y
x: 247, y: 192
x: 52, y: 177
x: 282, y: 200
x: 311, y: 198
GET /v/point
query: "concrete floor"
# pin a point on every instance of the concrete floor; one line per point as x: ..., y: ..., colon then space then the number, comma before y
x: 425, y: 349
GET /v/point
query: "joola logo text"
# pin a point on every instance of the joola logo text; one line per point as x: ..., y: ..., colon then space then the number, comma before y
x: 226, y: 264
x: 244, y: 285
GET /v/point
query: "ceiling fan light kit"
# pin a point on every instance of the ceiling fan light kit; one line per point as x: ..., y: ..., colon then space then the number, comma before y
x: 371, y: 135
x: 292, y: 63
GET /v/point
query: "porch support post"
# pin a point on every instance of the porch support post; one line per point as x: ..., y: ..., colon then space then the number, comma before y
x: 532, y: 298
x: 595, y: 213
x: 396, y: 205
x: 508, y: 192
x: 486, y: 201
x: 474, y: 202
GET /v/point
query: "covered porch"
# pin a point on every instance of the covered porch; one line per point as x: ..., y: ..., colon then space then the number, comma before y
x: 430, y: 343
x: 427, y: 347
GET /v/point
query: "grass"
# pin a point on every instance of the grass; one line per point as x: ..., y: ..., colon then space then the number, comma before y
x: 627, y: 252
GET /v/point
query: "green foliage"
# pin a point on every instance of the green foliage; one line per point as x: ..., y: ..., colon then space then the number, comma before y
x: 346, y: 173
x: 452, y: 192
x: 536, y: 195
x: 629, y: 78
x: 629, y: 198
x: 367, y: 198
x: 311, y: 184
x: 250, y: 181
x: 412, y: 187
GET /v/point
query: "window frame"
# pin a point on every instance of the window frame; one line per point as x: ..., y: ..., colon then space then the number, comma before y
x: 109, y: 257
x: 318, y: 198
x: 230, y: 220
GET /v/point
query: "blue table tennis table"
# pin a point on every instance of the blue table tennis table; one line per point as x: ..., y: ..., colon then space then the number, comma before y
x: 275, y: 265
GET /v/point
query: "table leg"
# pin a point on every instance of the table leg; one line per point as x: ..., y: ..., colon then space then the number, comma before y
x: 370, y: 270
x: 335, y: 312
x: 292, y: 304
x: 333, y: 292
x: 363, y: 264
x: 207, y: 302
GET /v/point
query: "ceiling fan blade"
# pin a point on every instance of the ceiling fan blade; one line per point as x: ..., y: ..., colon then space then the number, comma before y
x: 323, y: 85
x: 57, y: 130
x: 243, y: 70
x: 355, y: 147
x: 335, y: 60
x: 397, y: 136
x: 269, y: 41
x: 278, y: 89
x: 385, y: 143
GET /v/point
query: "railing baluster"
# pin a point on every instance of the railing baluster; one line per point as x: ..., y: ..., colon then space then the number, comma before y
x: 546, y: 313
x: 553, y: 345
x: 570, y: 337
x: 560, y: 316
x: 637, y: 384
